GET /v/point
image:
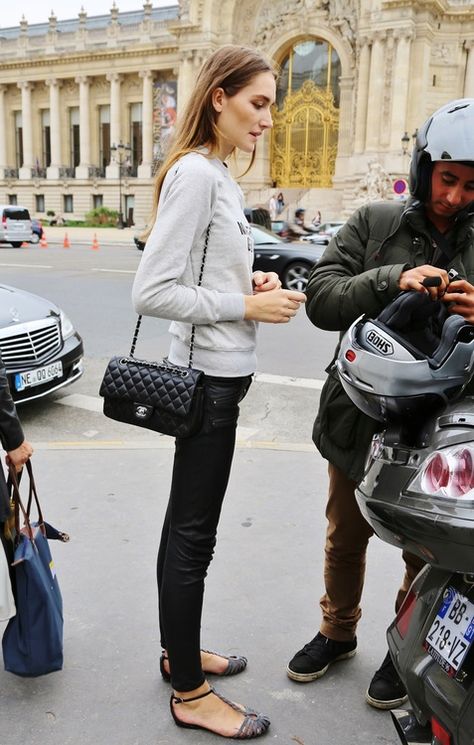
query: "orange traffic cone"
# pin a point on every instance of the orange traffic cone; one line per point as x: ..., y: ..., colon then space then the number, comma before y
x: 66, y: 242
x: 43, y: 241
x: 95, y: 243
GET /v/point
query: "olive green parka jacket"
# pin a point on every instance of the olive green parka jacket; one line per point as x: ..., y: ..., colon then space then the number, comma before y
x: 359, y: 273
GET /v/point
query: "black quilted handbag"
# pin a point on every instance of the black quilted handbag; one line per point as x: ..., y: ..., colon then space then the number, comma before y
x: 157, y: 395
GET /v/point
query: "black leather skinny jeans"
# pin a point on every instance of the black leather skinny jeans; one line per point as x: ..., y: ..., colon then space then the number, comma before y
x: 200, y: 475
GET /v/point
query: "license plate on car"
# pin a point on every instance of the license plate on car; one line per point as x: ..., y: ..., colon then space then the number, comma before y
x: 451, y: 632
x: 39, y: 376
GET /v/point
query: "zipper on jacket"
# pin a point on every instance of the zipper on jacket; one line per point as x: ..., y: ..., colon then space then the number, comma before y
x: 409, y: 209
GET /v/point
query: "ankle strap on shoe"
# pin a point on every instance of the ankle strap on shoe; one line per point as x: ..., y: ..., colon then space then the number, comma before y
x: 178, y: 700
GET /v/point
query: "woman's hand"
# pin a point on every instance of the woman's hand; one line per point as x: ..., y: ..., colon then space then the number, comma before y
x: 460, y: 295
x: 412, y: 279
x: 274, y: 306
x: 19, y: 455
x: 264, y: 281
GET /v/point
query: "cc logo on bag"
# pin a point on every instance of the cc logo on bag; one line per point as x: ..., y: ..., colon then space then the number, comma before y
x: 141, y: 411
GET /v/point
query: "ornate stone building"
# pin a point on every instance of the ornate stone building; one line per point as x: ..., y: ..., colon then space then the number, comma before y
x: 86, y: 105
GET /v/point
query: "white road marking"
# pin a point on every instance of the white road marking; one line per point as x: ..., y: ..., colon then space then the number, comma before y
x: 28, y: 266
x: 116, y: 271
x: 244, y: 434
x: 94, y: 403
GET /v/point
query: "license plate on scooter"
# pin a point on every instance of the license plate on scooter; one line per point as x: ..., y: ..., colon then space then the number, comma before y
x: 452, y: 631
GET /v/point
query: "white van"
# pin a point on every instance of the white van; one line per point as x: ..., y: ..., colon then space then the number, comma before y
x: 15, y: 225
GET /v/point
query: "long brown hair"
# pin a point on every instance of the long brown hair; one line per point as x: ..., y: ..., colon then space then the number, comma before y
x: 230, y: 67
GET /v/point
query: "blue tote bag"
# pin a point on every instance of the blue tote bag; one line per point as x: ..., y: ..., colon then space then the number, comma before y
x: 33, y: 639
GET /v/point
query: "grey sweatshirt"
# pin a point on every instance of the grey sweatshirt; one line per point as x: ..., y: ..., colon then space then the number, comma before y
x: 198, y: 191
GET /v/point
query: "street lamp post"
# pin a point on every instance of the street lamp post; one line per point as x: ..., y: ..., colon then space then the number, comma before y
x: 121, y: 156
x: 406, y: 140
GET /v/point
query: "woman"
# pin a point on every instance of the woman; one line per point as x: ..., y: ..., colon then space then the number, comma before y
x: 280, y: 200
x: 195, y: 196
x: 273, y: 207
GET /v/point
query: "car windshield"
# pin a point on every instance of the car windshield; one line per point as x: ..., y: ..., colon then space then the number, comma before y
x: 263, y: 237
x: 16, y: 214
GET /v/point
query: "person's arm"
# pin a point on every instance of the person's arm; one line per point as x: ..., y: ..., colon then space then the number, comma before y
x: 339, y: 289
x: 187, y: 204
x: 11, y: 432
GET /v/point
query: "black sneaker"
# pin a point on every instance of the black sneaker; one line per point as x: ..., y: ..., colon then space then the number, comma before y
x: 311, y: 662
x: 386, y: 690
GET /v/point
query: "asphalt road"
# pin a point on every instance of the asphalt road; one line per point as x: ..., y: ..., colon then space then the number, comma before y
x: 93, y: 287
x: 107, y: 485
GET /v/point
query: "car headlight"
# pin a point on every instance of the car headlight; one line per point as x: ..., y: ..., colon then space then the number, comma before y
x: 447, y: 473
x: 67, y: 329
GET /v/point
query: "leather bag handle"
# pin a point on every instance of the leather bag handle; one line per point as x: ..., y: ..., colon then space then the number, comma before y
x: 18, y: 505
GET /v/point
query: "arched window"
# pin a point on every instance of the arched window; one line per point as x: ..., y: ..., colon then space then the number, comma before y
x: 306, y: 116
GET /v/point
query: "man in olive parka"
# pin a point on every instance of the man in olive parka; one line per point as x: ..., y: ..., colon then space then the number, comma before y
x: 385, y: 247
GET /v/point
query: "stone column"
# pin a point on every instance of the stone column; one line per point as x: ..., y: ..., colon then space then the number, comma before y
x: 145, y: 167
x: 376, y: 92
x: 3, y: 131
x: 362, y: 95
x: 400, y: 81
x: 346, y: 88
x: 82, y: 170
x: 186, y: 76
x: 419, y: 84
x: 27, y: 121
x: 52, y: 171
x: 115, y: 80
x: 469, y: 78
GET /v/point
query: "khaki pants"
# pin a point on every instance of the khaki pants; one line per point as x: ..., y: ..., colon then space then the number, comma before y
x: 347, y: 537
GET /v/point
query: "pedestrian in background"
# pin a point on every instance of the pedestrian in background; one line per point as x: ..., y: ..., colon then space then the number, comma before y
x: 385, y: 247
x: 229, y: 109
x: 280, y: 203
x: 273, y: 207
x: 298, y: 227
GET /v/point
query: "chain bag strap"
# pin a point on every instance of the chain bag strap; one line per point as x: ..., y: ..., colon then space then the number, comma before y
x: 193, y: 327
x: 163, y: 397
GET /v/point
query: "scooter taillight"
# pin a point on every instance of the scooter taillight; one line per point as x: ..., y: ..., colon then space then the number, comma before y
x: 441, y: 736
x: 402, y: 621
x: 447, y: 473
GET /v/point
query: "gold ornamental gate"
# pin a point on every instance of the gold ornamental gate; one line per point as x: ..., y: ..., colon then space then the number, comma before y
x: 304, y: 138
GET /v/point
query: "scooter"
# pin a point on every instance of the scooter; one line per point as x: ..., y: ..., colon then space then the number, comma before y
x: 421, y: 498
x: 418, y: 494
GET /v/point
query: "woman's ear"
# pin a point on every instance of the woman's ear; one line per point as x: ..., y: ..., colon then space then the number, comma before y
x: 218, y: 99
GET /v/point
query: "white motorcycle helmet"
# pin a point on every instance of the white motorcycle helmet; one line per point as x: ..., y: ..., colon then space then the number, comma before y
x: 413, y: 357
x: 448, y: 134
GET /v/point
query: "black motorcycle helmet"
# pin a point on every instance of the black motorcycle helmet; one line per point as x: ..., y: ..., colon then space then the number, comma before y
x: 447, y: 135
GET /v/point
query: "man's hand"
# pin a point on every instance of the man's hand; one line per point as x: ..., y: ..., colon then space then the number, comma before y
x: 19, y: 456
x: 412, y: 279
x: 460, y: 295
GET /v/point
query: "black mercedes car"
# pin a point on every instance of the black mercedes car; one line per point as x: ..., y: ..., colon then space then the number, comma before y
x: 291, y: 261
x: 40, y: 348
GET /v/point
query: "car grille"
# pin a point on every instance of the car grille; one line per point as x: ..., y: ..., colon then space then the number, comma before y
x: 30, y: 343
